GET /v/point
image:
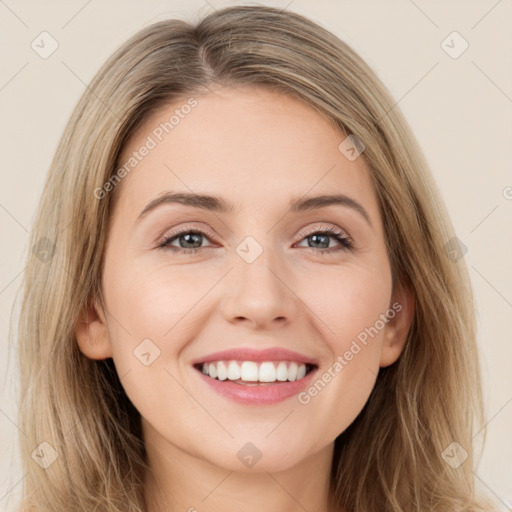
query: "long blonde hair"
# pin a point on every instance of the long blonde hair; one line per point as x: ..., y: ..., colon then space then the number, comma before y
x: 391, y: 456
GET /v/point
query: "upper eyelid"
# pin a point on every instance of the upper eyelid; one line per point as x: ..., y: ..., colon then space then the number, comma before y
x: 180, y: 231
x: 310, y: 231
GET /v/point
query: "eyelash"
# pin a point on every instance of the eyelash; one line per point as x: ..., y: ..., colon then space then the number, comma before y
x: 345, y: 241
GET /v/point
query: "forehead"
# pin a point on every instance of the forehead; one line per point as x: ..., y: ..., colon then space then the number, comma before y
x: 249, y: 144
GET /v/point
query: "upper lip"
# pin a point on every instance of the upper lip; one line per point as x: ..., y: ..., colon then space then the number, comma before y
x: 251, y: 354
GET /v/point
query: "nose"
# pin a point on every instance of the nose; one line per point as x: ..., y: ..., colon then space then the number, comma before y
x: 260, y: 293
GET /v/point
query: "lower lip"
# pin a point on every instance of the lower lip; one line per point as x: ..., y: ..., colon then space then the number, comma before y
x: 257, y: 394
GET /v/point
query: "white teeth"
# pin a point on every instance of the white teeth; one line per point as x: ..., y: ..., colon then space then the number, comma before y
x: 267, y: 372
x: 222, y: 372
x: 249, y: 371
x: 212, y: 370
x: 282, y: 371
x: 292, y: 371
x: 233, y: 371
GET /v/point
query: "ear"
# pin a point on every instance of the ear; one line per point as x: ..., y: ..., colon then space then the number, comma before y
x: 400, y: 314
x: 92, y: 333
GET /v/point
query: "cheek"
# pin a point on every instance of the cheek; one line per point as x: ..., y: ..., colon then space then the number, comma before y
x: 346, y: 301
x: 149, y: 313
x: 152, y: 303
x: 348, y: 306
x: 156, y: 311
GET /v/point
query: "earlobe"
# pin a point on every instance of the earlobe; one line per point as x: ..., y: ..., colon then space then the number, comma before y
x: 398, y: 326
x: 92, y: 333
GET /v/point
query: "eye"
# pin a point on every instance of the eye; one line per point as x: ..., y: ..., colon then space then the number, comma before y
x: 192, y: 240
x: 322, y: 237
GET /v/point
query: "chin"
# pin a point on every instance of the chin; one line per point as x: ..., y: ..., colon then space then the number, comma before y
x: 254, y: 458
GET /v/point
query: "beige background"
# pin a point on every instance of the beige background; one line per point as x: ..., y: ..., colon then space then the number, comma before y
x: 460, y: 110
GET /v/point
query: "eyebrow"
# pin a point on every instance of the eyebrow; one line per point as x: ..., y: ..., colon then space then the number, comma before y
x: 220, y: 205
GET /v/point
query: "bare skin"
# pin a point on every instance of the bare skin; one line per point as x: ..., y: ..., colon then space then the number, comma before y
x: 259, y: 151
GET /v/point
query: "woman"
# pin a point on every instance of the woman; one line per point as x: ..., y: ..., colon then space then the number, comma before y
x: 253, y: 370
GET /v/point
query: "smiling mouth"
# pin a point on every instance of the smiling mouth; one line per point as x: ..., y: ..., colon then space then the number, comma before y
x: 252, y: 373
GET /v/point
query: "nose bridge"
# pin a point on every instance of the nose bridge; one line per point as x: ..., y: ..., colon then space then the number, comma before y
x: 257, y: 286
x: 257, y: 262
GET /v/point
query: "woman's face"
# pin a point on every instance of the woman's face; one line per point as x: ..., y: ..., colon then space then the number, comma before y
x: 263, y: 277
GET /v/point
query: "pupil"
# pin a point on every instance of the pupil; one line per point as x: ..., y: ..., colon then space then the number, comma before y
x: 194, y: 235
x: 324, y: 237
